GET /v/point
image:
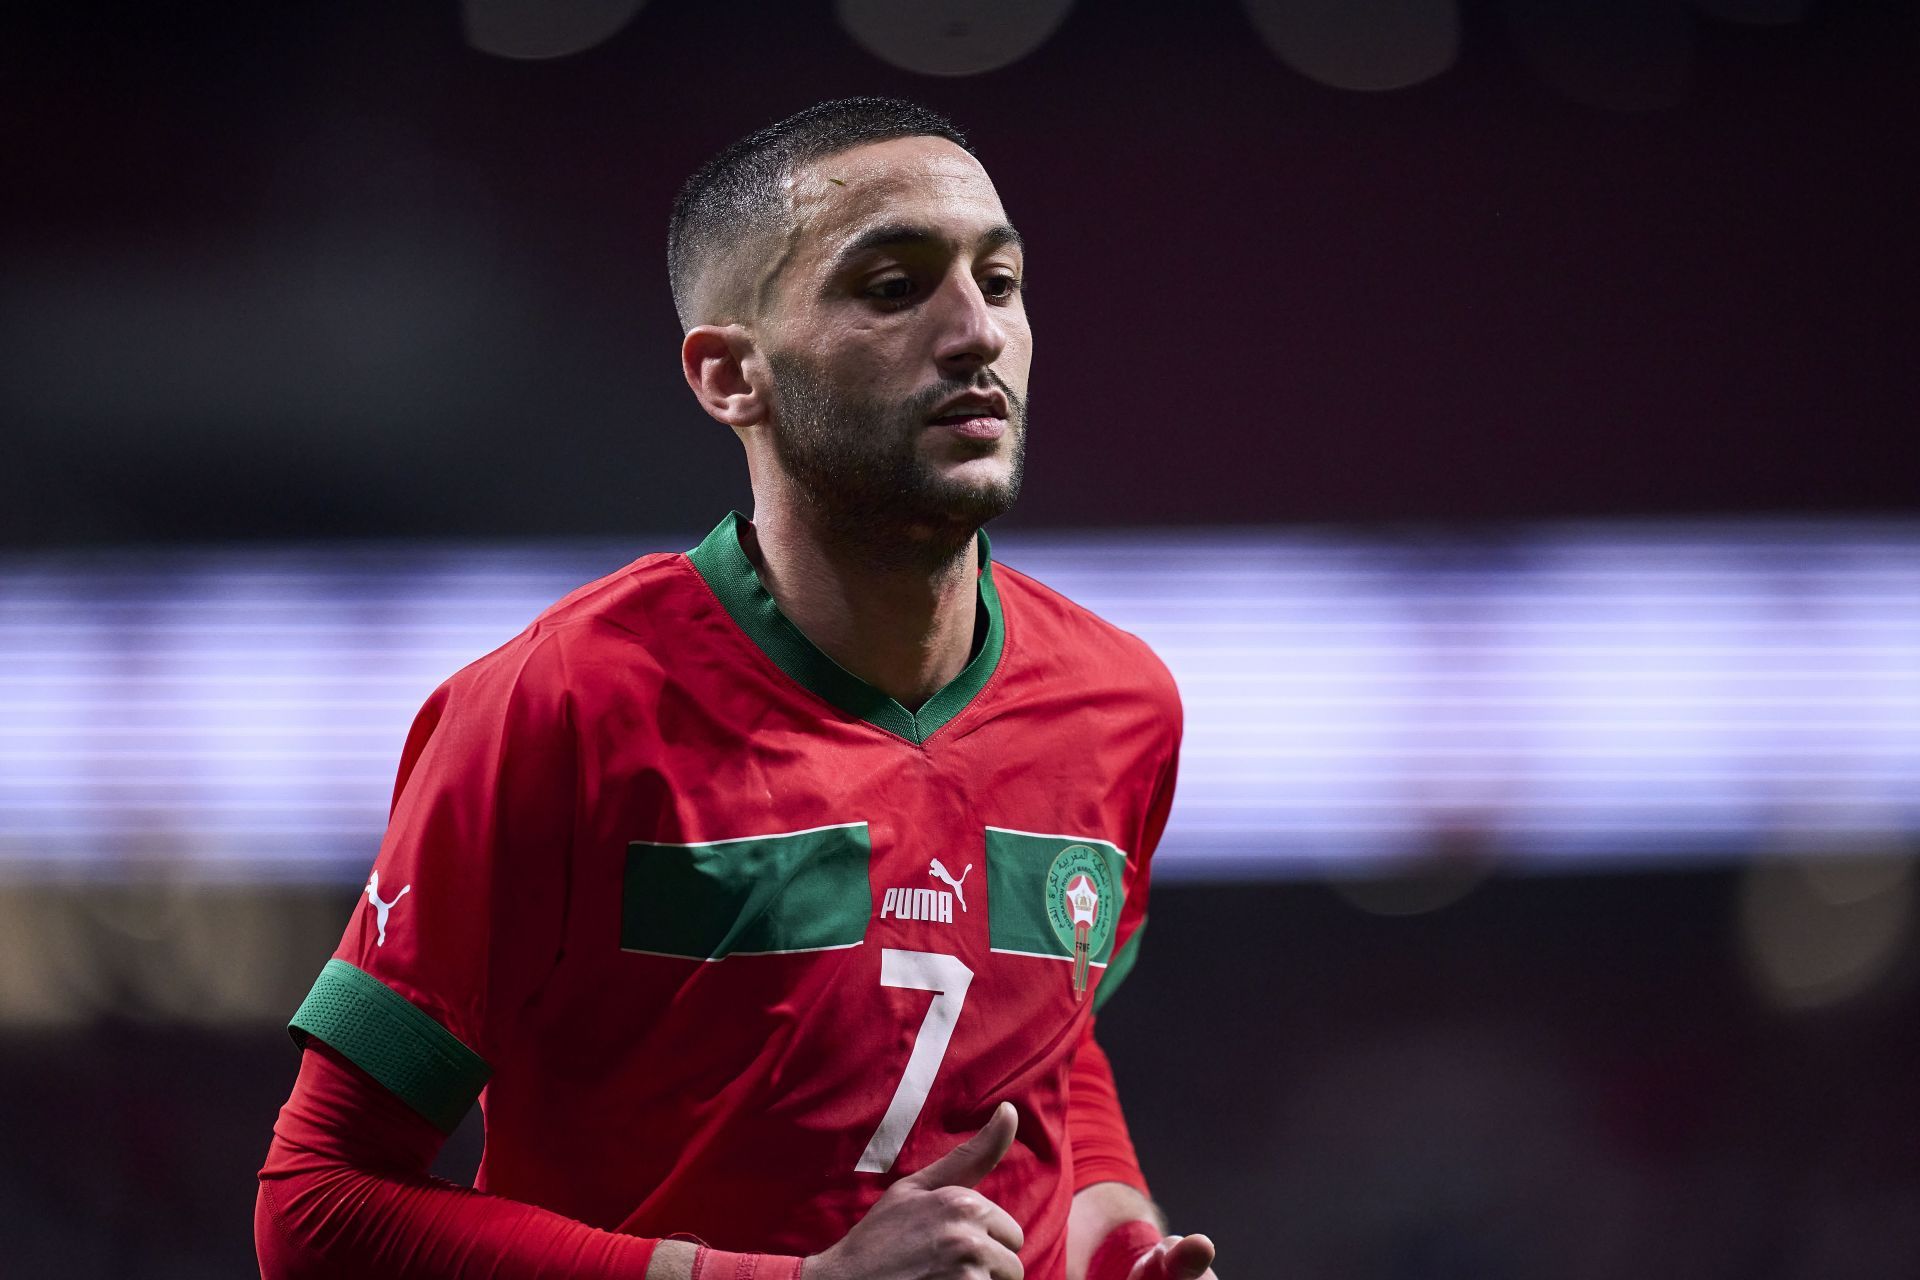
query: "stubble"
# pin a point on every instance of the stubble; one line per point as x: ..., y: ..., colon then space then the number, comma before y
x: 857, y: 465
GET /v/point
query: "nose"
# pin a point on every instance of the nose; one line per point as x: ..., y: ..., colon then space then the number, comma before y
x: 972, y: 331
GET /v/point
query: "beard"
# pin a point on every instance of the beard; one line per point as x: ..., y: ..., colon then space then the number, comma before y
x: 857, y: 464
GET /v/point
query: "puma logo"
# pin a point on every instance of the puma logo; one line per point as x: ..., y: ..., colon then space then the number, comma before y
x: 939, y: 872
x: 380, y: 909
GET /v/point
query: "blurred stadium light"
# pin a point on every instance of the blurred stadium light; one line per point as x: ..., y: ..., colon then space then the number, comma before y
x: 544, y: 28
x: 951, y: 37
x: 1818, y: 929
x: 1378, y: 44
x: 1560, y: 697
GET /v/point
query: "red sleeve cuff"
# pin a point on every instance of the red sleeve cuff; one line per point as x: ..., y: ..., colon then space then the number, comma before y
x: 1116, y: 1255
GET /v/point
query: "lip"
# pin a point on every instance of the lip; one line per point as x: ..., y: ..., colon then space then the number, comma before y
x: 981, y: 426
x: 971, y: 408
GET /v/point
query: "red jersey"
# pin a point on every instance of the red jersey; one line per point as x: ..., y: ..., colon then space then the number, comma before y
x: 724, y: 939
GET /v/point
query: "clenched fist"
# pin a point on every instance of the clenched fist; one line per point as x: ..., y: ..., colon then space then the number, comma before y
x: 932, y: 1225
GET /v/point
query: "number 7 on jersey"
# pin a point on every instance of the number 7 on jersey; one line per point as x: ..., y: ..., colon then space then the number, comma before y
x: 948, y: 979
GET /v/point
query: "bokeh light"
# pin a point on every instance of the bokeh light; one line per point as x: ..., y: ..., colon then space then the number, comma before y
x: 536, y: 29
x: 1819, y: 928
x: 1361, y: 44
x: 951, y: 37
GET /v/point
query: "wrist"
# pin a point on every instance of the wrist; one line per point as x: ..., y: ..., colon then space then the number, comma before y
x: 1117, y: 1253
x: 716, y: 1264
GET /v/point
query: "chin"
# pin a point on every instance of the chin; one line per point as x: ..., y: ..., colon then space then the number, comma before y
x: 987, y: 470
x: 968, y: 492
x: 970, y: 506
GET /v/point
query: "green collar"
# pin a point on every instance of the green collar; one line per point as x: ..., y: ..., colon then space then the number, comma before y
x: 722, y: 562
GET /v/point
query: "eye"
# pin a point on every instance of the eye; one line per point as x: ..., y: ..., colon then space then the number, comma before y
x: 1000, y: 286
x: 894, y: 289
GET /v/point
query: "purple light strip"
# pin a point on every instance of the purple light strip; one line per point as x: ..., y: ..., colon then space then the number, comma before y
x: 1556, y: 696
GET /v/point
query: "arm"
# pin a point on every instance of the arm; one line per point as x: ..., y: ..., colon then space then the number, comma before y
x: 1114, y: 1229
x: 345, y: 1192
x: 1114, y: 1232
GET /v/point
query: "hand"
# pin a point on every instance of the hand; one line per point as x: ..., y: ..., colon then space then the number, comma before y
x: 932, y: 1225
x: 1176, y: 1258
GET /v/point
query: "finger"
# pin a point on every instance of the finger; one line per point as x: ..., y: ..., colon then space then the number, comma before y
x: 1188, y: 1258
x: 999, y: 1224
x: 973, y: 1159
x: 1001, y: 1262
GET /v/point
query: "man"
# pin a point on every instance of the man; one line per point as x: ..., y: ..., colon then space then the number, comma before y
x: 770, y: 889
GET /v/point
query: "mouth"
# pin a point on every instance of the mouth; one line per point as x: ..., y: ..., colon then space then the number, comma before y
x: 973, y: 426
x: 973, y: 410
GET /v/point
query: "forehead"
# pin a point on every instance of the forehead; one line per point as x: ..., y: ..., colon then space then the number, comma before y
x: 924, y: 180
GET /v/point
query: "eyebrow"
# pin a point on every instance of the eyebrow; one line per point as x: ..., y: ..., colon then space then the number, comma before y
x: 896, y: 235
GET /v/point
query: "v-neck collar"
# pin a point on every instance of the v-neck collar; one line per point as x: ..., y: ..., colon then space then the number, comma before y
x: 723, y: 563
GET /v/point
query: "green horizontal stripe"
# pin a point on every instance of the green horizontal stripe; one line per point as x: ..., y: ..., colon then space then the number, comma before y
x: 388, y: 1037
x: 794, y: 891
x: 1018, y: 894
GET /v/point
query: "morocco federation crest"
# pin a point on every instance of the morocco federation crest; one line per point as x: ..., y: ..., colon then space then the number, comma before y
x: 1081, y: 903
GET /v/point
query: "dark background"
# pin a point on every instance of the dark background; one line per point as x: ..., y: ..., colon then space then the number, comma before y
x: 1569, y: 1077
x: 309, y: 271
x: 327, y: 272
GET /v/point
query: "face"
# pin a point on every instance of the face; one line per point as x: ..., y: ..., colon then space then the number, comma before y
x: 896, y: 336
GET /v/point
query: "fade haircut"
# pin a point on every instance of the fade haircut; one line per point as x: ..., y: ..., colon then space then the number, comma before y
x: 740, y: 195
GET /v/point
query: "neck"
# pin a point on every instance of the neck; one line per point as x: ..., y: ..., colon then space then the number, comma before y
x: 903, y: 623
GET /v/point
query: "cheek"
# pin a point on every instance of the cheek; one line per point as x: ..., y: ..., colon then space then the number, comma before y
x: 1015, y: 362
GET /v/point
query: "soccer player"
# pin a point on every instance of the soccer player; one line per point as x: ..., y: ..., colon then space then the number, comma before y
x: 764, y: 895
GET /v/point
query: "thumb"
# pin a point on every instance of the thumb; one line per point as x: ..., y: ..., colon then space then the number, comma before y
x: 973, y: 1159
x: 1187, y: 1258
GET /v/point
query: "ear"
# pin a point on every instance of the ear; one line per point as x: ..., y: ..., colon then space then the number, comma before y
x: 723, y: 366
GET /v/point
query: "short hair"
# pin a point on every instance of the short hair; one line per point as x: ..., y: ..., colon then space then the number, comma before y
x: 741, y: 192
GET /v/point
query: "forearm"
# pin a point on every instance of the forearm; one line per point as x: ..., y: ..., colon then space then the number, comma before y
x: 360, y: 1224
x: 1096, y: 1211
x: 345, y: 1193
x: 1111, y: 1190
x: 1114, y: 1229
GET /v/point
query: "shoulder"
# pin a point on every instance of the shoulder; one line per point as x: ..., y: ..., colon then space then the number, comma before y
x: 1065, y: 636
x: 619, y: 621
x: 632, y: 600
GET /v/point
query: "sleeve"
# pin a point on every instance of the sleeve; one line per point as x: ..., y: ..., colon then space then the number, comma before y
x: 1133, y: 912
x: 1096, y: 1128
x: 345, y: 1194
x: 463, y: 914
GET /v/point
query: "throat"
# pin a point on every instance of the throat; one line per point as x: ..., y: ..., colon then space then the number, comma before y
x: 915, y: 698
x: 905, y: 632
